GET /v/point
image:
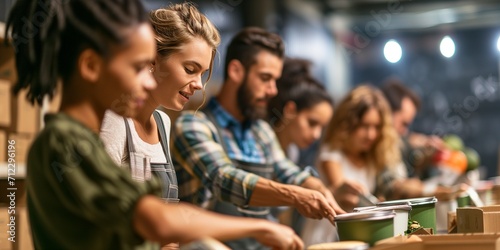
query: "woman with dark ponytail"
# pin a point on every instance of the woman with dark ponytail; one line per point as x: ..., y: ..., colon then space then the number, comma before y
x: 101, y: 51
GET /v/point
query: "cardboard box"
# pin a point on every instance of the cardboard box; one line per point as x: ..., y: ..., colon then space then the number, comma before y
x: 7, y: 62
x: 5, y: 244
x: 441, y: 242
x: 495, y: 193
x: 22, y: 144
x: 5, y: 99
x: 25, y: 116
x: 478, y: 219
x: 20, y: 185
x: 23, y: 240
x: 452, y: 222
x: 3, y: 146
x: 23, y: 234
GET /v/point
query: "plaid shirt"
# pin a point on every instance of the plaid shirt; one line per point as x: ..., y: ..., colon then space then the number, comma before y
x: 205, y: 171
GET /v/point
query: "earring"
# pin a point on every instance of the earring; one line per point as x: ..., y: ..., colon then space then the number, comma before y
x: 151, y: 70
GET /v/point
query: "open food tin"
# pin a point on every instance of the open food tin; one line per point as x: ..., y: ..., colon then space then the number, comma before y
x: 423, y: 210
x: 368, y: 226
x: 400, y: 219
x: 340, y: 245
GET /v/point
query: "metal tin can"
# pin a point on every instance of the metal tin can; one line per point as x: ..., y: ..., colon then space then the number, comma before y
x: 369, y: 226
x: 341, y: 245
x: 423, y: 210
x: 400, y: 219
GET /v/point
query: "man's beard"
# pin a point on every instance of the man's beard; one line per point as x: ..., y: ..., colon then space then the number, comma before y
x: 245, y: 97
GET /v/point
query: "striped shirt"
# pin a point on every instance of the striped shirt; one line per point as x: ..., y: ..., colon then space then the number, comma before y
x: 205, y: 170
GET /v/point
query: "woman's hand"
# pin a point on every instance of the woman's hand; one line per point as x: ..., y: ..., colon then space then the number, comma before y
x: 347, y: 194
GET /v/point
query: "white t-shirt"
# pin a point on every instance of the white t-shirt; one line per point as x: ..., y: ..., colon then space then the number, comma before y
x: 114, y: 136
x: 322, y: 231
x: 365, y: 176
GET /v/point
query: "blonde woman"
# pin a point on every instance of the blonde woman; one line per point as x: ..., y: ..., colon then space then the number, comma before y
x: 359, y: 146
x: 360, y: 143
x: 186, y: 44
x: 77, y: 197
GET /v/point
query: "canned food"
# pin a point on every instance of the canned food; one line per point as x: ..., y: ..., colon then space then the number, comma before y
x: 341, y: 245
x: 369, y: 226
x: 423, y: 210
x: 400, y: 219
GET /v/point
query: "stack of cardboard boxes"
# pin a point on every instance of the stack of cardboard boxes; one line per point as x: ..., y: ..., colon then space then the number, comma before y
x: 19, y: 124
x: 19, y: 120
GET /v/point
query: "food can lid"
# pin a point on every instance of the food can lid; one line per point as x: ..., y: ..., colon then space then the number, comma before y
x: 380, y: 208
x: 366, y: 215
x: 341, y: 245
x: 361, y: 209
x: 411, y: 202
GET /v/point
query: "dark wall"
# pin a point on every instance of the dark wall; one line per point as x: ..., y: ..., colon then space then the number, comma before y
x: 5, y: 6
x: 460, y: 94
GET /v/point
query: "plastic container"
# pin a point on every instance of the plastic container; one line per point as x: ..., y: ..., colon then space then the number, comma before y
x: 423, y: 210
x: 369, y: 226
x: 400, y: 219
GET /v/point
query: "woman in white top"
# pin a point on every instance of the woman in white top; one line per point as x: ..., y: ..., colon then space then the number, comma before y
x: 359, y: 144
x: 186, y: 44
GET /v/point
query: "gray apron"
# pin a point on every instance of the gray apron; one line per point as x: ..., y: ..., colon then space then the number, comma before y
x: 165, y: 172
x: 263, y: 170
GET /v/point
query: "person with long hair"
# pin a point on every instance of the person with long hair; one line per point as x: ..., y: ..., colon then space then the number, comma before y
x: 360, y: 146
x: 228, y: 159
x: 298, y: 114
x: 360, y: 143
x: 300, y: 110
x: 186, y: 44
x: 77, y: 198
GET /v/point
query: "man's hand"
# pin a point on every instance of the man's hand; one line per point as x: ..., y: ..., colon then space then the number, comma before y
x: 313, y: 204
x: 329, y: 197
x: 314, y: 183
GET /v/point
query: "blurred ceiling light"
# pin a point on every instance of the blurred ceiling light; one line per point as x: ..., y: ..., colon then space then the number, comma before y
x: 498, y: 44
x: 447, y: 47
x: 393, y: 51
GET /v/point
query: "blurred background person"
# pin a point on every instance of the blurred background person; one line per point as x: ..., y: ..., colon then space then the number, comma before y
x: 298, y: 115
x: 360, y: 144
x: 404, y: 105
x: 417, y: 150
x: 228, y: 158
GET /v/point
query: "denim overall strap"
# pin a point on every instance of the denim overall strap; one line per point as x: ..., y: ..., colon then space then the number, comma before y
x: 165, y: 171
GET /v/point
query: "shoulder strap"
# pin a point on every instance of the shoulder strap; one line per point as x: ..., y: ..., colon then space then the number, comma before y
x: 130, y: 141
x: 162, y: 132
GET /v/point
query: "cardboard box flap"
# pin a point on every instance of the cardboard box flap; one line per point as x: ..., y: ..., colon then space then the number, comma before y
x: 495, y: 208
x: 441, y: 242
x: 460, y: 237
x: 478, y: 219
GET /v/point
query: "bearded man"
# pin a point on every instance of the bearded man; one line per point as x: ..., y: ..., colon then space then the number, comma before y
x: 228, y: 159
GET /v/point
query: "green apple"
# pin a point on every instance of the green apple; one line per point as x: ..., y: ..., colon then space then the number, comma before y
x: 453, y: 142
x: 473, y: 159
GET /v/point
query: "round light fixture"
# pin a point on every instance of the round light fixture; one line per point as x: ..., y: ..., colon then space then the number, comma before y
x: 393, y: 51
x: 447, y: 47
